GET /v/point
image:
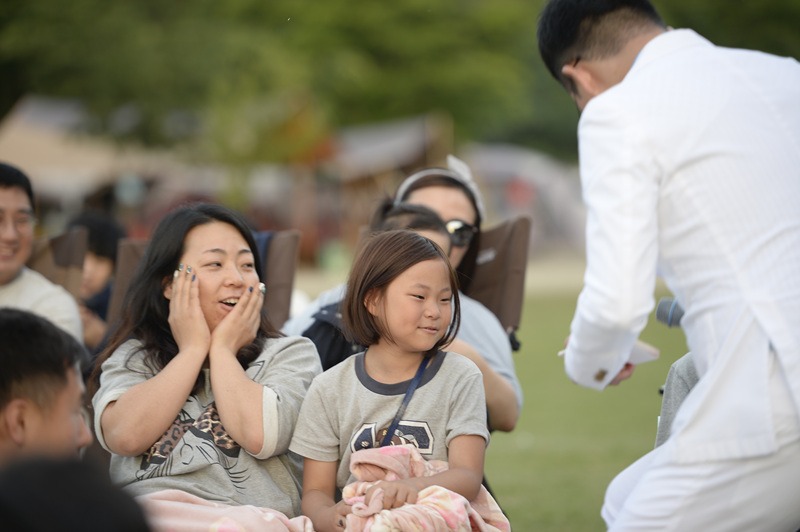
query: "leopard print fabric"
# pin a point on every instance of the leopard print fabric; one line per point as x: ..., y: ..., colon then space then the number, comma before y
x: 208, y: 426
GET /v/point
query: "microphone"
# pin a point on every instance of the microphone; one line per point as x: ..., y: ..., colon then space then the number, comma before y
x: 669, y: 312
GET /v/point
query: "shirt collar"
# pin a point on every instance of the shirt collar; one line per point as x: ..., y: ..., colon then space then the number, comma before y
x: 665, y: 44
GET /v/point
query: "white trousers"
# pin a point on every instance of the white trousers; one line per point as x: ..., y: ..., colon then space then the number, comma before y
x: 754, y: 493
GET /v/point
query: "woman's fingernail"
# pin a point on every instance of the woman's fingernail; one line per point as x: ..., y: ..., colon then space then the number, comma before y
x: 175, y: 275
x: 262, y: 288
x: 193, y: 277
x: 250, y: 289
x: 180, y: 267
x: 188, y: 269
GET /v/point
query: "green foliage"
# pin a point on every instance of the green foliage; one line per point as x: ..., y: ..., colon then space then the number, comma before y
x: 256, y: 80
x: 767, y: 25
x: 347, y: 64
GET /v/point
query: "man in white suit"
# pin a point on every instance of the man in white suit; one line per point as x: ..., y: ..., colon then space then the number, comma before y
x: 690, y: 167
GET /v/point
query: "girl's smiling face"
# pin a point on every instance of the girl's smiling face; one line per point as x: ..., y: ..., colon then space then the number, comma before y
x: 416, y: 306
x: 224, y: 265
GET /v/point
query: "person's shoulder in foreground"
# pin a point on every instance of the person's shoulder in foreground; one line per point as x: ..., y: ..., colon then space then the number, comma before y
x: 52, y: 495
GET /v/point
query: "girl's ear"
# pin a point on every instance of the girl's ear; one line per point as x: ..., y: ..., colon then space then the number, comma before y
x: 371, y: 301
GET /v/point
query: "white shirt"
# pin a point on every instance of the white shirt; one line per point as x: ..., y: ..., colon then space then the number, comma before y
x: 31, y: 291
x: 691, y: 168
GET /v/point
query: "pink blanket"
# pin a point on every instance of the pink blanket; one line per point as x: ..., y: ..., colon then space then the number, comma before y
x: 436, y: 508
x: 176, y: 510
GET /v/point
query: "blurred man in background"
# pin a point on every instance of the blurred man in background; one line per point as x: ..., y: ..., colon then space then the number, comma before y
x: 21, y: 287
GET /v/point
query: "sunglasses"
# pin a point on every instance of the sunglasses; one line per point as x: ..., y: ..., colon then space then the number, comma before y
x: 461, y: 232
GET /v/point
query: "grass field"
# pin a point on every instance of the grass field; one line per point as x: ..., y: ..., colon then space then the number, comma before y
x: 551, y: 472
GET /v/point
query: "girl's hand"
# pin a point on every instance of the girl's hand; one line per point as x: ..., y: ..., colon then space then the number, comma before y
x: 396, y: 493
x: 186, y: 319
x: 240, y: 326
x: 339, y: 514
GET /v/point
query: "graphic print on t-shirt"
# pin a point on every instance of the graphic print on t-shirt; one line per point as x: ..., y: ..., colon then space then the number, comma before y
x: 207, y: 427
x: 417, y: 433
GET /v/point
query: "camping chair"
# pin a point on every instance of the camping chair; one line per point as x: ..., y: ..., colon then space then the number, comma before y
x: 499, y: 278
x: 279, y: 254
x: 60, y: 258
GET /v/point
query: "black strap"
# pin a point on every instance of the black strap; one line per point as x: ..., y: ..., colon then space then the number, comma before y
x: 387, y: 439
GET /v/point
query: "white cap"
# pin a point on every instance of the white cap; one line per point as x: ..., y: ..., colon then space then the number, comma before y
x: 456, y: 170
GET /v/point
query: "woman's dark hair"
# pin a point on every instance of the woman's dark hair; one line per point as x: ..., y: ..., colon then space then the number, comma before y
x: 382, y: 259
x: 147, y: 310
x: 443, y: 177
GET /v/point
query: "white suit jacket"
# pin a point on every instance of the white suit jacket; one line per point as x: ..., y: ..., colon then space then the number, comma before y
x: 690, y: 169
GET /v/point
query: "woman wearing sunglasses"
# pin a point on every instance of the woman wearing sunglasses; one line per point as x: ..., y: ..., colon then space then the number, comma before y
x: 452, y: 194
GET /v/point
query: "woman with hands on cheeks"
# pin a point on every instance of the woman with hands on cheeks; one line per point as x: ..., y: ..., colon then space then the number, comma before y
x: 196, y: 390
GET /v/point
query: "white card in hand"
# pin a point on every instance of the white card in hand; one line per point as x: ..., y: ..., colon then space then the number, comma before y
x: 643, y: 352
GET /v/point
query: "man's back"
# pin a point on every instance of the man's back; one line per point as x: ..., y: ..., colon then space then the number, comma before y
x: 718, y: 133
x: 709, y: 139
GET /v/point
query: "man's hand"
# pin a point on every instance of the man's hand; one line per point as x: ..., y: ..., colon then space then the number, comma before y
x: 624, y: 374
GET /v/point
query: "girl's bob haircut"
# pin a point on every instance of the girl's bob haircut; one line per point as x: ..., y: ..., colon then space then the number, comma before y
x: 380, y: 261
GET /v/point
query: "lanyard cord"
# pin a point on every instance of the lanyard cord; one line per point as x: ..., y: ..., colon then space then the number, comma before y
x: 387, y: 439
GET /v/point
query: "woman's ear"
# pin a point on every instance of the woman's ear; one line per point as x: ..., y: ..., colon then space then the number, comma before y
x: 167, y: 284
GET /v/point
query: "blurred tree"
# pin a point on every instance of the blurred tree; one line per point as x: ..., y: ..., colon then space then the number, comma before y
x: 243, y: 81
x: 144, y: 68
x: 767, y: 25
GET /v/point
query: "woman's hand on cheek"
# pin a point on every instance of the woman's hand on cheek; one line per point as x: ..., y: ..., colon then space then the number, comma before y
x: 240, y: 326
x: 186, y: 319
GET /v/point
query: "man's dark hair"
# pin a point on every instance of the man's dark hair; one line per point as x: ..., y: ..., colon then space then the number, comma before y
x: 35, y: 357
x: 11, y: 176
x: 590, y: 29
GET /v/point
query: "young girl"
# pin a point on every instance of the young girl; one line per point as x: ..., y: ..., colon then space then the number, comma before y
x: 321, y: 322
x: 197, y: 390
x: 402, y: 302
